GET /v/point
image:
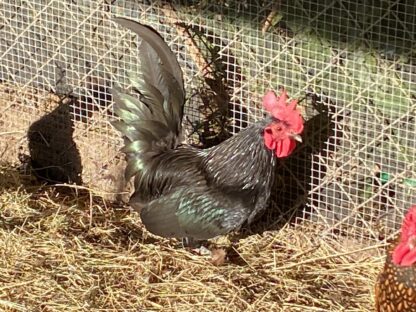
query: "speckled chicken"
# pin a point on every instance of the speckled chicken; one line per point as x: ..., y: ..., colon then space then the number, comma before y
x: 182, y: 191
x: 396, y: 284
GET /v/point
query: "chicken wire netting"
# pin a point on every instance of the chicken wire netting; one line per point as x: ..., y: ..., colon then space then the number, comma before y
x: 351, y: 64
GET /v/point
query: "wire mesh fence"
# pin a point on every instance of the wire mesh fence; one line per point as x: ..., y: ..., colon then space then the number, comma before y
x: 351, y: 63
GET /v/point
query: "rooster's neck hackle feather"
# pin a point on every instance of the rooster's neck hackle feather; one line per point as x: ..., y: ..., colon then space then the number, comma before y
x: 242, y: 160
x: 395, y: 289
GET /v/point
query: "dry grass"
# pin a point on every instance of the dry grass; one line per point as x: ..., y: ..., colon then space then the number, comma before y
x: 64, y: 249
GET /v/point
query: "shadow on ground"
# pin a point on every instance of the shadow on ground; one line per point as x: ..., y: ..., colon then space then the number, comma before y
x: 54, y: 156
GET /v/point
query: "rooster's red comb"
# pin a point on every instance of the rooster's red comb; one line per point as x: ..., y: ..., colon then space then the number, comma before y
x: 278, y: 108
x: 409, y: 222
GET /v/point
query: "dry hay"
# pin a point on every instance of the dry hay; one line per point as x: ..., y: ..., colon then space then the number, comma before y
x: 63, y: 249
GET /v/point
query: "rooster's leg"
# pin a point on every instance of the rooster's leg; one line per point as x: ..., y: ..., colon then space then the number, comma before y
x: 190, y: 242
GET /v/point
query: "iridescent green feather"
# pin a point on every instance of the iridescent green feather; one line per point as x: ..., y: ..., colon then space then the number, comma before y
x: 151, y: 120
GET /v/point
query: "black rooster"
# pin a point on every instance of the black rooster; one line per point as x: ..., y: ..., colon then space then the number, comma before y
x: 182, y: 191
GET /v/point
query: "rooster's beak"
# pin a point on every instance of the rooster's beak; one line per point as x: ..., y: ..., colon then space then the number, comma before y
x: 296, y: 137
